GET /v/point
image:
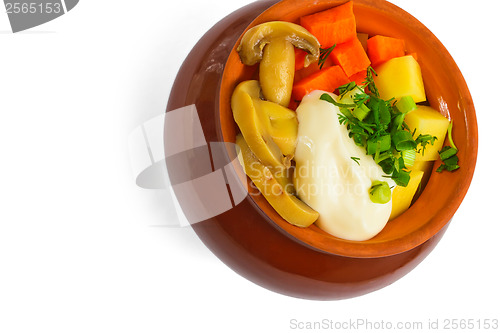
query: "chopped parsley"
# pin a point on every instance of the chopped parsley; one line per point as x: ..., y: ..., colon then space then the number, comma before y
x: 378, y: 126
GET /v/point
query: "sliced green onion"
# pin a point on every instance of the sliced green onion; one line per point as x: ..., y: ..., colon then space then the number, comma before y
x: 397, y: 122
x: 450, y: 127
x: 403, y: 140
x: 361, y: 112
x: 387, y: 166
x: 449, y: 164
x: 346, y: 99
x: 384, y: 113
x: 450, y: 168
x: 378, y: 145
x: 401, y: 177
x: 399, y: 164
x: 380, y: 192
x: 406, y: 104
x: 451, y: 161
x: 409, y: 157
x: 381, y: 157
x: 385, y: 142
x: 447, y: 152
x: 371, y: 146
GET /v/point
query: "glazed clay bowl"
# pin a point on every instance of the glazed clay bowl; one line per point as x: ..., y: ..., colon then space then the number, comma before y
x: 252, y: 238
x: 446, y: 92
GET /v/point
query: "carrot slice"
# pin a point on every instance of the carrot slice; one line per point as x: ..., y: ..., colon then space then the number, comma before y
x: 300, y: 57
x: 327, y: 79
x: 332, y: 26
x: 383, y: 48
x: 359, y: 78
x: 351, y: 57
x: 313, y: 68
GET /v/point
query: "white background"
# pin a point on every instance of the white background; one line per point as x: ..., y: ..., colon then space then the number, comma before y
x: 79, y: 251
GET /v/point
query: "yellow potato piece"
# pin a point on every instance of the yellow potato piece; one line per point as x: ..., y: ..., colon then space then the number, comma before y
x: 426, y: 168
x: 400, y: 77
x: 426, y: 120
x: 403, y: 196
x: 287, y: 206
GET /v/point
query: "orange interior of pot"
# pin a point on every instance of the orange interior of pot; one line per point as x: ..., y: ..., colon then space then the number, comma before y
x: 446, y: 91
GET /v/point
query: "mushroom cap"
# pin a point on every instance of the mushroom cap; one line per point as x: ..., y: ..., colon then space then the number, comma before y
x: 251, y: 48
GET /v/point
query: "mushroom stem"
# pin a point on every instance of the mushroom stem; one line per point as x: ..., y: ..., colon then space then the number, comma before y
x: 277, y: 70
x: 272, y: 44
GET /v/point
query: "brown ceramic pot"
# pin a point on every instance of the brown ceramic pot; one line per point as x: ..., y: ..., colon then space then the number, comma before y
x: 308, y: 263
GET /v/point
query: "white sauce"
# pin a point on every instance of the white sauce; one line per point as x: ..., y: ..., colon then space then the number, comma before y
x: 329, y: 180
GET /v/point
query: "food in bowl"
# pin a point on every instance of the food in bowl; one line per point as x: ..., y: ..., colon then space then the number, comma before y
x: 328, y: 139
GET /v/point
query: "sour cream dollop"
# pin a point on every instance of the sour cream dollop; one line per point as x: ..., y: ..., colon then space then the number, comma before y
x: 333, y: 175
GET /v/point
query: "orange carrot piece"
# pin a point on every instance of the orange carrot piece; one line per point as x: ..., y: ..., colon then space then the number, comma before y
x: 350, y: 56
x: 300, y: 57
x: 332, y: 26
x: 313, y: 68
x: 359, y: 77
x: 414, y: 55
x: 382, y: 48
x: 327, y: 79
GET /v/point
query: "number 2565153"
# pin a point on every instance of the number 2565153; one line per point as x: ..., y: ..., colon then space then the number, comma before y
x: 33, y: 8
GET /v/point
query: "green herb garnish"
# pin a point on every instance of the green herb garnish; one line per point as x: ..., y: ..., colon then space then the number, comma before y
x: 449, y: 154
x: 328, y: 98
x: 369, y: 82
x: 356, y: 159
x: 324, y: 54
x: 378, y: 126
x: 345, y: 88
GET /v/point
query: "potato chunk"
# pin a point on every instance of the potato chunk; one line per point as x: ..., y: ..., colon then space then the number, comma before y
x: 400, y: 77
x: 426, y: 120
x: 426, y: 168
x: 403, y: 196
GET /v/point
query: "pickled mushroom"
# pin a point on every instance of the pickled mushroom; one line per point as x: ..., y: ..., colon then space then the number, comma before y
x: 286, y: 205
x: 272, y: 44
